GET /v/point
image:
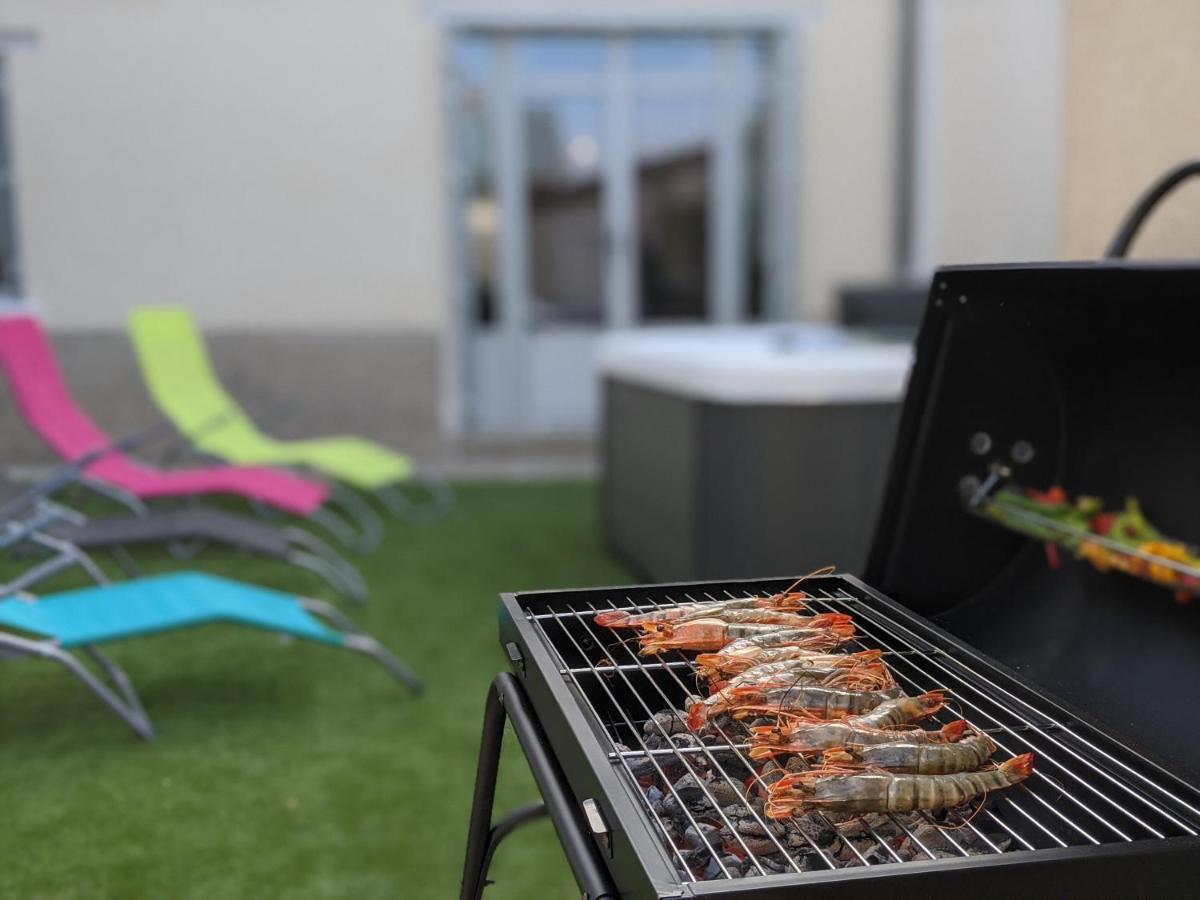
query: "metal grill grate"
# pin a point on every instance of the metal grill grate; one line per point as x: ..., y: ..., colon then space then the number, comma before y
x: 1086, y: 790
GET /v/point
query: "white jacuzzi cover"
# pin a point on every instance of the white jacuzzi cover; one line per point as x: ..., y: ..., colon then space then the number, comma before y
x: 769, y: 364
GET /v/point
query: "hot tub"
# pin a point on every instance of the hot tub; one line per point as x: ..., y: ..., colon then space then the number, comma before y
x: 736, y: 450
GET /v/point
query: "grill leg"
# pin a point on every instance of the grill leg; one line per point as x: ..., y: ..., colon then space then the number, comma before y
x: 507, y: 699
x: 480, y: 846
x: 508, y: 823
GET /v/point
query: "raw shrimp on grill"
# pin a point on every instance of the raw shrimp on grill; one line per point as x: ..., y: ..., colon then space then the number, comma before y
x: 802, y: 733
x: 916, y: 757
x: 752, y: 688
x: 814, y: 737
x: 819, y: 639
x: 864, y: 670
x: 816, y: 701
x: 713, y: 634
x: 857, y: 789
x: 724, y: 663
x: 903, y: 710
x: 623, y: 618
x: 785, y: 618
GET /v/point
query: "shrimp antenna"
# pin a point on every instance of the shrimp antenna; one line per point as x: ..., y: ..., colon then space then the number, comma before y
x: 950, y: 702
x: 815, y: 573
x: 967, y: 821
x: 1054, y: 781
x: 783, y: 694
x: 975, y: 728
x: 757, y: 777
x: 623, y: 641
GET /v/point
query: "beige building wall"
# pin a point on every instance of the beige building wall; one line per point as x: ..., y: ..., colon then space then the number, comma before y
x: 280, y: 163
x: 1131, y: 113
x: 847, y: 149
x: 992, y: 132
x: 272, y: 164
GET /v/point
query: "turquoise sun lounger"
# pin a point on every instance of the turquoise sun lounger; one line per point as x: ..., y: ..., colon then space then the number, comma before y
x: 84, y: 618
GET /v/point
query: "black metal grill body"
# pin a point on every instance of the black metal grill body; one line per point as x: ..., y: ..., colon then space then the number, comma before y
x: 1096, y: 815
x: 1094, y: 368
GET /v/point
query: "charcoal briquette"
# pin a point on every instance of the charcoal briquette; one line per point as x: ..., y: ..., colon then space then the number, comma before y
x: 736, y: 867
x: 702, y: 836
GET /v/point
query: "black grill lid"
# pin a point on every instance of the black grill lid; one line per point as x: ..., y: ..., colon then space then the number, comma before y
x: 1096, y: 369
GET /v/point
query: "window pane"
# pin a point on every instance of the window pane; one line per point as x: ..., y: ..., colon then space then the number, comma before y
x: 8, y: 261
x: 472, y: 57
x: 8, y: 236
x: 753, y: 58
x: 4, y: 154
x: 556, y: 53
x: 672, y: 53
x: 563, y: 141
x: 474, y: 61
x: 674, y: 156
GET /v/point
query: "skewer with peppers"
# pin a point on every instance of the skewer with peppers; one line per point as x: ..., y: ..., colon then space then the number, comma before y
x: 1121, y: 540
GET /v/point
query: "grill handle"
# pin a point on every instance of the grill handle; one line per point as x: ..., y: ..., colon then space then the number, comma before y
x: 507, y: 699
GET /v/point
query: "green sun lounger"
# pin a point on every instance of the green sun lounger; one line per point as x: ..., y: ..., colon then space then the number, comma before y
x: 180, y: 377
x: 81, y: 619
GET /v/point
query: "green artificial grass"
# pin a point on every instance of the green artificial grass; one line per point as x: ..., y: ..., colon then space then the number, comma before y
x: 288, y: 769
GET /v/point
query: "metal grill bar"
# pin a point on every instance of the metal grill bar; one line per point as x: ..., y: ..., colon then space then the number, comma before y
x: 915, y: 685
x: 708, y: 794
x: 1078, y: 757
x: 667, y: 782
x: 712, y: 760
x: 1007, y: 799
x: 611, y: 673
x: 847, y: 601
x: 729, y: 745
x: 957, y: 846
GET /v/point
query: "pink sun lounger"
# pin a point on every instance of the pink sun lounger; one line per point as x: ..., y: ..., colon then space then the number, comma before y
x: 45, y: 402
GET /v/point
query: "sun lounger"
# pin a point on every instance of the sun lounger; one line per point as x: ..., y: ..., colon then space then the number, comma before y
x: 177, y: 370
x: 46, y: 403
x: 63, y: 625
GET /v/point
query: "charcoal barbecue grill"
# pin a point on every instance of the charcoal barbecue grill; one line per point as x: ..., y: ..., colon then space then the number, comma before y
x: 1067, y: 382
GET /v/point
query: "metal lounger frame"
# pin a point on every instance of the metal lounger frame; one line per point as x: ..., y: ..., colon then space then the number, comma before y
x: 306, y: 550
x: 120, y: 696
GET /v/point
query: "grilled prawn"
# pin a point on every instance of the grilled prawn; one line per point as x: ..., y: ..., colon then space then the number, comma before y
x: 852, y: 685
x: 916, y: 757
x: 801, y: 732
x: 814, y: 737
x: 866, y: 674
x: 726, y: 664
x: 623, y: 618
x: 816, y: 701
x: 902, y: 711
x: 820, y: 639
x: 853, y: 790
x: 713, y: 634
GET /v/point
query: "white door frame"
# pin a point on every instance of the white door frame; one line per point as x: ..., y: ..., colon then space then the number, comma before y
x: 779, y: 228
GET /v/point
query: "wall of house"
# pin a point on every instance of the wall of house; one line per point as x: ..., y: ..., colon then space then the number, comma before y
x: 1131, y: 113
x: 279, y: 166
x: 271, y: 164
x: 993, y: 131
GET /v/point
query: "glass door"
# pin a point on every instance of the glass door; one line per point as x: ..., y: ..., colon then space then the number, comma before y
x: 610, y: 181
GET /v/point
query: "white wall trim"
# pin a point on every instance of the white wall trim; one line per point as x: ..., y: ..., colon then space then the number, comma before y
x: 454, y: 380
x: 529, y: 15
x: 922, y: 201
